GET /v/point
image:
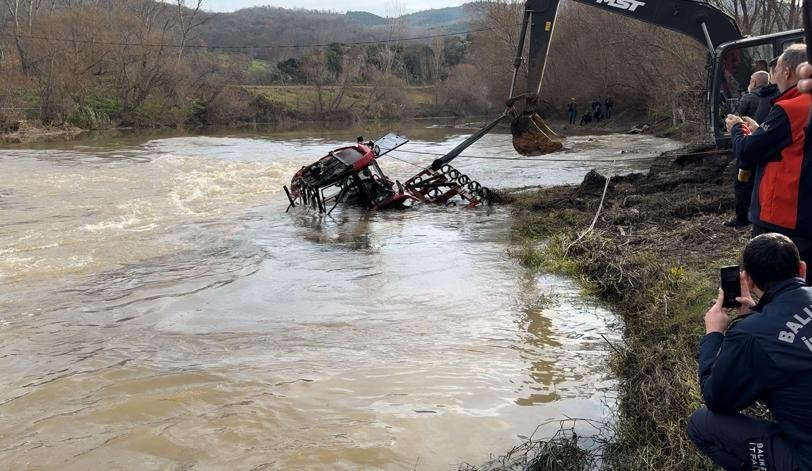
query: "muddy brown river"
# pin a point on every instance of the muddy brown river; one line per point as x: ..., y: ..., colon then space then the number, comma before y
x: 160, y: 310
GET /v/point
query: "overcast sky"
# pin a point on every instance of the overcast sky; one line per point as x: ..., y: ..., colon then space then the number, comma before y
x: 378, y: 7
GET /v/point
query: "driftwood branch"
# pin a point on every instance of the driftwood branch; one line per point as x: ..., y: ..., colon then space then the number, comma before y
x: 597, y: 214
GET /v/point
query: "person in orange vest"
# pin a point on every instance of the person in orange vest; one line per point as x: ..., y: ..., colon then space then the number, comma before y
x: 780, y: 155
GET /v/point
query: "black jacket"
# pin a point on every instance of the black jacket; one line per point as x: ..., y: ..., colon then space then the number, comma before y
x: 766, y: 356
x: 748, y: 105
x: 765, y: 95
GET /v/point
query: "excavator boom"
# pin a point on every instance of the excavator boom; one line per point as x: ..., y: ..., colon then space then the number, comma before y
x: 531, y: 136
x: 695, y: 19
x: 704, y: 23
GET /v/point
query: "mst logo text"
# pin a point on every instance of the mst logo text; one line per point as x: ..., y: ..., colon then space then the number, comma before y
x: 630, y: 5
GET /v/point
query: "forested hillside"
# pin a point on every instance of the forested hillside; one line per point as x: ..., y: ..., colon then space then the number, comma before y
x: 99, y: 63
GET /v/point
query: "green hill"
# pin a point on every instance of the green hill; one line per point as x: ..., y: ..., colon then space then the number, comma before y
x: 450, y: 17
x: 366, y: 19
x: 280, y: 33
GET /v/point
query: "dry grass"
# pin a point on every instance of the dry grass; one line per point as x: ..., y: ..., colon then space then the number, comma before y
x: 566, y: 450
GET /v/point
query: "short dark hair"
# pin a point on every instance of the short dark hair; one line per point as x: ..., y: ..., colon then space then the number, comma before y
x: 770, y: 258
x: 772, y: 62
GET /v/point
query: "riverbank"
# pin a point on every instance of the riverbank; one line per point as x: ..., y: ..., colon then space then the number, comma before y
x: 25, y: 131
x: 653, y: 253
x: 237, y: 105
x: 286, y: 107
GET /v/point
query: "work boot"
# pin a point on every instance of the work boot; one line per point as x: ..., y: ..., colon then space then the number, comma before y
x: 736, y: 222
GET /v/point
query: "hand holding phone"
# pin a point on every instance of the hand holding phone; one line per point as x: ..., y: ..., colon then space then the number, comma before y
x: 751, y: 124
x: 731, y: 285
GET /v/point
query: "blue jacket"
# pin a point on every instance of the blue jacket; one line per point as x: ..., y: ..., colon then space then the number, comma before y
x: 767, y: 356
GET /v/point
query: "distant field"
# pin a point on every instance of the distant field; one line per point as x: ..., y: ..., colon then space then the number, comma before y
x: 302, y: 96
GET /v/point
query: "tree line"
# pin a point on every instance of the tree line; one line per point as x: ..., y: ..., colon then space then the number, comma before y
x: 96, y: 63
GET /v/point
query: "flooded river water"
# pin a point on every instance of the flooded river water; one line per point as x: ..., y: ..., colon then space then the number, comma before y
x: 160, y: 310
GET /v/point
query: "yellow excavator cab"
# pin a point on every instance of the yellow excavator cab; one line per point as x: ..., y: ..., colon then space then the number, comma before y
x: 532, y: 136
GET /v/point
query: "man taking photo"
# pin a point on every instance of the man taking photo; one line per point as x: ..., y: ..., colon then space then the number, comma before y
x: 764, y: 355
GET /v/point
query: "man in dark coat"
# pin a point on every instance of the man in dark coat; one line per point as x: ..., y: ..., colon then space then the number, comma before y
x: 755, y: 104
x: 597, y: 110
x: 763, y: 355
x: 750, y: 101
x: 766, y: 95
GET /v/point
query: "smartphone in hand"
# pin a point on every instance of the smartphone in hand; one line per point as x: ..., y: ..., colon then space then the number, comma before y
x: 731, y: 285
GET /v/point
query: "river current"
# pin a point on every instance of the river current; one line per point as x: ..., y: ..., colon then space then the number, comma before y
x: 159, y: 309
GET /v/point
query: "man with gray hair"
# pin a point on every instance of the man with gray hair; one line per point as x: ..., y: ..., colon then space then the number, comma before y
x: 782, y: 193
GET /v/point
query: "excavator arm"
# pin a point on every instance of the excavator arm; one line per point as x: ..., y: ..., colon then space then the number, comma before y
x: 700, y: 21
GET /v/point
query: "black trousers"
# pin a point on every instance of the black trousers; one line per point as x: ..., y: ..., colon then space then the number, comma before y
x: 743, y: 192
x: 738, y: 442
x: 804, y: 245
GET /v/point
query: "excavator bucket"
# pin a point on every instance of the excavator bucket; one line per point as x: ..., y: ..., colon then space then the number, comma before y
x: 532, y: 136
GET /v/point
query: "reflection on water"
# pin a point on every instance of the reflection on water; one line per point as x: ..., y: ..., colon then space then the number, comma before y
x: 159, y: 309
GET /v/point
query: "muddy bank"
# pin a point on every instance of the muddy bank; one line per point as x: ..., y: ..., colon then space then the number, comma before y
x: 25, y: 131
x: 653, y: 254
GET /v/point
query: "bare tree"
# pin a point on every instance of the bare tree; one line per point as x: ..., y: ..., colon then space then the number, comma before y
x: 493, y: 48
x: 437, y: 65
x: 22, y: 14
x: 762, y: 16
x: 188, y: 20
x: 317, y: 73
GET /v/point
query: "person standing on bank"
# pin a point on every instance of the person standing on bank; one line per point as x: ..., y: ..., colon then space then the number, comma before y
x: 597, y: 110
x: 753, y: 104
x: 782, y: 193
x: 572, y: 110
x: 765, y: 354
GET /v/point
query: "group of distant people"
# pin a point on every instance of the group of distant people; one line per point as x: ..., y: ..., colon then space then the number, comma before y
x: 765, y: 353
x: 598, y: 111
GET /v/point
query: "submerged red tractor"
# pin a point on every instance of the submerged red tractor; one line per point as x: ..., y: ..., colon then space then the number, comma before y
x: 351, y: 174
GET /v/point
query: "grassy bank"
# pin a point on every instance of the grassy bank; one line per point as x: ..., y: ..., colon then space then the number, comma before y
x: 653, y: 254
